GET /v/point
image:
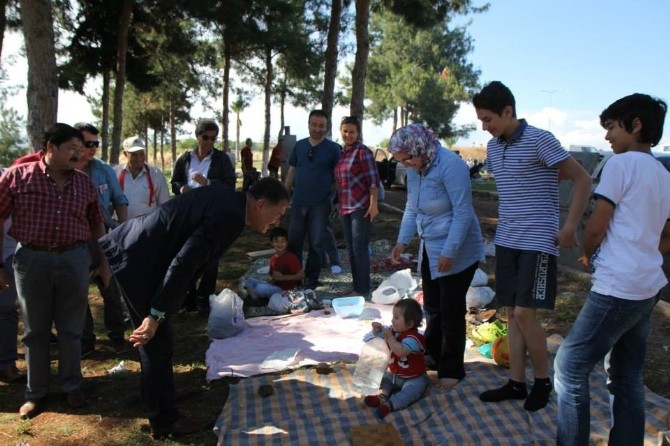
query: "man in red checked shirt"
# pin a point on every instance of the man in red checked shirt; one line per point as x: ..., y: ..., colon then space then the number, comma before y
x: 56, y: 220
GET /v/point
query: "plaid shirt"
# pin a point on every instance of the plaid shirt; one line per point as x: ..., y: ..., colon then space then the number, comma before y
x: 355, y: 173
x: 41, y: 213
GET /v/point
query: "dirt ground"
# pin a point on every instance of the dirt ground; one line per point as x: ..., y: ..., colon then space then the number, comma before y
x: 113, y: 414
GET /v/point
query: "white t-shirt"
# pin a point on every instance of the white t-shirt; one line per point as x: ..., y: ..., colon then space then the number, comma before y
x: 197, y: 166
x: 138, y: 191
x: 628, y: 261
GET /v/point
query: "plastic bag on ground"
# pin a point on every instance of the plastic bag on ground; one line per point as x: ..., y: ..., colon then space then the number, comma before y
x: 479, y: 297
x: 480, y: 278
x: 386, y: 295
x: 402, y: 280
x: 279, y: 302
x: 226, y: 315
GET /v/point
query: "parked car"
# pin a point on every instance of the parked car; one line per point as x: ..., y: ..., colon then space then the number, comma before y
x: 578, y: 148
x: 391, y: 172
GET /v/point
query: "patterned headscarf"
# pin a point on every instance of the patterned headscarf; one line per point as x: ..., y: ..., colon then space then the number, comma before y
x: 418, y: 141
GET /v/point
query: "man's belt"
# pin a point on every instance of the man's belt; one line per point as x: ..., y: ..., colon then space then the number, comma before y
x: 54, y: 248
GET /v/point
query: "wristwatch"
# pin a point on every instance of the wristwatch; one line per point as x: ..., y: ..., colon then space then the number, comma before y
x: 157, y: 318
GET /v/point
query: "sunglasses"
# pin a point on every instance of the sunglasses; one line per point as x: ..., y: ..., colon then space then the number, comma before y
x: 208, y: 138
x: 92, y: 144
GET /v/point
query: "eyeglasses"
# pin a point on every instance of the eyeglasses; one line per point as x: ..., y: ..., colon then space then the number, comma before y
x: 310, y: 154
x: 91, y: 144
x: 208, y: 138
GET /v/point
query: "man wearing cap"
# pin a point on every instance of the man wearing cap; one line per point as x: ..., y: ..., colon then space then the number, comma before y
x: 56, y: 220
x: 144, y: 185
x: 112, y: 200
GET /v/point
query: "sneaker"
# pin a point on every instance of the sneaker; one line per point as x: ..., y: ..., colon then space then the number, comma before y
x: 336, y: 269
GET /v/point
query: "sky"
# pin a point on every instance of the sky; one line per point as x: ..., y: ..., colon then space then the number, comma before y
x: 565, y: 61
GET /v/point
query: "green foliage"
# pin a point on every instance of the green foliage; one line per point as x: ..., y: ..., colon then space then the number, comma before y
x: 423, y: 72
x: 12, y: 143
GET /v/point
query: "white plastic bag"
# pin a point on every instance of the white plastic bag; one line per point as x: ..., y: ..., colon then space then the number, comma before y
x: 402, y: 280
x: 386, y: 295
x: 279, y: 302
x: 480, y: 278
x: 226, y: 315
x: 479, y: 297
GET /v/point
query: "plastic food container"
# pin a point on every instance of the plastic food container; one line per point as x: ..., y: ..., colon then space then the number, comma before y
x: 349, y: 306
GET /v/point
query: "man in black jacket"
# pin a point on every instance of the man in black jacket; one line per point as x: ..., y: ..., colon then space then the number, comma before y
x: 156, y: 256
x: 203, y: 166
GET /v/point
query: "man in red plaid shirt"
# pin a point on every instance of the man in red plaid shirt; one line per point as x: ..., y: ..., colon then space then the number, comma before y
x: 56, y: 220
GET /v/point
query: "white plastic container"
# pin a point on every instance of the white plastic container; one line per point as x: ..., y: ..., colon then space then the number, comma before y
x: 372, y: 363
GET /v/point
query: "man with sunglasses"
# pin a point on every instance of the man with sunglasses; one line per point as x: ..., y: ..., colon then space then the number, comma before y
x: 112, y: 201
x: 311, y: 176
x: 203, y: 166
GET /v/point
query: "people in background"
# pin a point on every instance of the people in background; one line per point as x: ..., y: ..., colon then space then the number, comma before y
x: 192, y: 230
x: 145, y: 186
x: 285, y: 272
x: 200, y: 167
x: 9, y: 314
x: 247, y: 161
x: 114, y: 205
x: 52, y: 266
x: 310, y: 177
x: 358, y: 185
x: 526, y: 162
x: 439, y: 209
x: 275, y: 161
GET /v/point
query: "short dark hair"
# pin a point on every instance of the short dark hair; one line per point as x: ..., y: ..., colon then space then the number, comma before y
x: 649, y: 110
x: 86, y: 127
x: 270, y: 189
x: 248, y: 141
x: 495, y: 96
x: 411, y: 311
x: 278, y: 232
x: 206, y: 125
x: 317, y: 113
x: 59, y: 133
x: 352, y: 120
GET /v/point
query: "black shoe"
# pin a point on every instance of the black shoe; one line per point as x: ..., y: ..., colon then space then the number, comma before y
x: 87, y: 350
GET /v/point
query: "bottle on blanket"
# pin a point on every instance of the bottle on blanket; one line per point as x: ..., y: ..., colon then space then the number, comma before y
x: 372, y: 363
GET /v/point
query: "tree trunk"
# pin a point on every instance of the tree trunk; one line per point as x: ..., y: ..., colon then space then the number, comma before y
x: 42, y: 92
x: 3, y: 22
x: 282, y: 118
x: 120, y: 82
x: 330, y: 69
x: 226, y: 90
x: 104, y: 131
x: 359, y: 72
x: 269, y: 73
x: 173, y: 137
x: 238, y: 124
x: 395, y: 118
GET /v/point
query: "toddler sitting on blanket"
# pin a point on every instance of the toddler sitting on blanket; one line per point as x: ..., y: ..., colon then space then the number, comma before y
x: 405, y: 380
x: 286, y: 272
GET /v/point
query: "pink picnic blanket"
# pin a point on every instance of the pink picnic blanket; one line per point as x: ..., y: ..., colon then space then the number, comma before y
x: 274, y: 343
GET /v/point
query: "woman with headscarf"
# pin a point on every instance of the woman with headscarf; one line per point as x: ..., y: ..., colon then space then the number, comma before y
x: 358, y: 184
x: 439, y: 209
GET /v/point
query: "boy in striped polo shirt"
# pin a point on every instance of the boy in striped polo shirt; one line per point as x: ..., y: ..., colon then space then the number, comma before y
x: 526, y: 162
